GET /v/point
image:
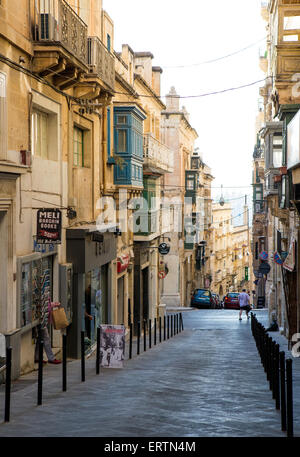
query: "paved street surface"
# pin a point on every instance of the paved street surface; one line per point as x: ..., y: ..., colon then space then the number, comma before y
x: 207, y: 381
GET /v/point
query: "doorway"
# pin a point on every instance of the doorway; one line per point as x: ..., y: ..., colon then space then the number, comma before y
x: 3, y: 270
x: 145, y: 293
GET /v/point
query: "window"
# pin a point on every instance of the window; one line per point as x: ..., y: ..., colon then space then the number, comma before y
x: 36, y: 289
x: 283, y: 191
x: 108, y: 42
x: 39, y: 132
x: 78, y: 147
x: 122, y: 120
x: 3, y: 117
x: 277, y: 150
x: 122, y: 141
x: 292, y: 23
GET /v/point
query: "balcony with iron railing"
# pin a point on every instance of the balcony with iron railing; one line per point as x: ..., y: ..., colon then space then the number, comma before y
x: 158, y: 158
x: 60, y: 42
x: 101, y: 62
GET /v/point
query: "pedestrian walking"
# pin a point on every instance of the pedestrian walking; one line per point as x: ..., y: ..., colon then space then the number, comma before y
x: 244, y: 301
x: 43, y: 333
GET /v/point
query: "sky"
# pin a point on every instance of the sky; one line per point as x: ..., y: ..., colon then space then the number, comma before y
x: 183, y: 35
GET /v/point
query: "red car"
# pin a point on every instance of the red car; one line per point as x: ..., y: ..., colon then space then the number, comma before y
x: 231, y: 301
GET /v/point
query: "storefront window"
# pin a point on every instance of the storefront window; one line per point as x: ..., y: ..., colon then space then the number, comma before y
x: 36, y: 289
x: 96, y: 302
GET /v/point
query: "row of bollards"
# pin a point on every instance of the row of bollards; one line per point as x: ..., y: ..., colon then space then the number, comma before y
x: 173, y: 325
x: 278, y: 372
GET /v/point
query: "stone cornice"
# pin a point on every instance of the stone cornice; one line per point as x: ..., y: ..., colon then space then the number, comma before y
x: 144, y: 83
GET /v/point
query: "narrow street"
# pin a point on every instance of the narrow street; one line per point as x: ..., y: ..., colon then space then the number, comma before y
x: 206, y: 381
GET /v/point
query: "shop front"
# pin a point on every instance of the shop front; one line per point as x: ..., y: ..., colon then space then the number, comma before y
x: 141, y: 283
x: 90, y: 253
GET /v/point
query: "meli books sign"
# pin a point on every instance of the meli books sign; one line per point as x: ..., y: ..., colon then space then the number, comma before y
x: 48, y: 226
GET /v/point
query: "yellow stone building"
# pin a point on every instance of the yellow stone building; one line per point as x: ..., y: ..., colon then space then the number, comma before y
x: 231, y: 258
x: 55, y: 90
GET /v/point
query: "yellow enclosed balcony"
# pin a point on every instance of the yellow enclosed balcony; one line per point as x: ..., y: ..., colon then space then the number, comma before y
x: 158, y: 158
x: 60, y: 42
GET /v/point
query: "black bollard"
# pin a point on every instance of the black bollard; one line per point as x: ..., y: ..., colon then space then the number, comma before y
x: 160, y: 329
x: 168, y: 327
x: 98, y: 351
x: 64, y: 363
x: 40, y: 372
x: 277, y: 377
x: 289, y: 398
x: 138, y: 338
x: 181, y: 320
x: 282, y: 391
x: 155, y: 325
x: 174, y: 322
x: 150, y: 333
x: 82, y: 358
x: 274, y: 387
x: 164, y: 328
x: 145, y: 335
x: 130, y: 341
x: 7, y: 384
x: 171, y: 325
x: 177, y: 323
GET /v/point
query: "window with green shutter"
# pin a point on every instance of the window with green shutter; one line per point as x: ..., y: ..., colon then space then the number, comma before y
x: 78, y: 147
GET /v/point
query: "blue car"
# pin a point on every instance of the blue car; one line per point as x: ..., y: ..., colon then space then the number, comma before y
x: 202, y: 298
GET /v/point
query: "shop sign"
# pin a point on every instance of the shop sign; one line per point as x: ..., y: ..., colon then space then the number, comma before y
x: 48, y: 226
x: 246, y: 274
x: 112, y: 346
x: 43, y: 248
x: 164, y: 248
x: 122, y: 263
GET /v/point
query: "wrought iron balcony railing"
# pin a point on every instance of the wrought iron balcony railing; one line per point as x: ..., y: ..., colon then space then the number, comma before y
x: 101, y: 61
x: 55, y: 22
x: 157, y: 156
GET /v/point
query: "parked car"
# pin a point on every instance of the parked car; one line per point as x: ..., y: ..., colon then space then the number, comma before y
x: 217, y: 300
x: 202, y: 298
x: 231, y: 301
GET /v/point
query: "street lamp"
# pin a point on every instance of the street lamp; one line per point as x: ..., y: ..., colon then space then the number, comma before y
x: 222, y: 201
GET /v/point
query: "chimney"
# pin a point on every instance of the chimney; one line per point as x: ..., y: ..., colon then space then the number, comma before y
x: 156, y: 72
x: 143, y: 61
x: 172, y: 100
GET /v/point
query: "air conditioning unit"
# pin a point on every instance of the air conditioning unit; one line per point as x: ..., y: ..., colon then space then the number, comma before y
x: 48, y: 27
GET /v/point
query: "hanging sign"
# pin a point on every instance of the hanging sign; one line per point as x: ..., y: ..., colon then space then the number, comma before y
x: 164, y: 248
x: 122, y: 263
x: 48, y: 226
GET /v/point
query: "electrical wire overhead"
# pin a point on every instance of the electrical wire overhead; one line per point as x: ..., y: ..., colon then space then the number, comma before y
x: 216, y: 59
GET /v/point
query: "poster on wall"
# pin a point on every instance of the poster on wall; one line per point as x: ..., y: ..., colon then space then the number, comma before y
x: 48, y: 226
x: 112, y: 346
